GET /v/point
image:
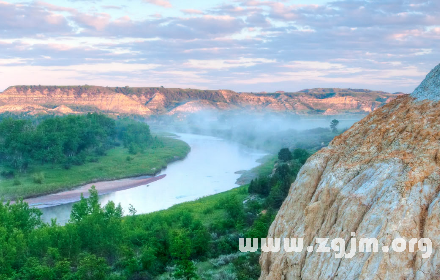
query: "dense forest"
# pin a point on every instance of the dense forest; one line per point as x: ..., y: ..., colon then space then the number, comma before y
x: 100, y: 243
x: 68, y: 140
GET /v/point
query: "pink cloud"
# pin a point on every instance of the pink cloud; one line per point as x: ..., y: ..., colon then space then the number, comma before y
x: 192, y: 12
x: 55, y: 8
x: 162, y: 3
x: 97, y: 21
x: 111, y: 7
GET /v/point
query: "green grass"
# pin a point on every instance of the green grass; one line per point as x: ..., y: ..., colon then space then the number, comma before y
x: 112, y: 166
x: 265, y: 169
x: 207, y: 209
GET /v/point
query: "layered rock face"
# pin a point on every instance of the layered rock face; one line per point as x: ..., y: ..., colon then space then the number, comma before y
x: 147, y: 101
x: 380, y: 179
x: 92, y: 98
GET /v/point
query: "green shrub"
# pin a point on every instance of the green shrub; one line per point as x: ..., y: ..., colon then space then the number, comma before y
x: 284, y: 154
x: 94, y: 159
x: 16, y: 182
x: 7, y: 174
x: 301, y: 155
x: 247, y: 266
x: 38, y: 178
x: 208, y: 210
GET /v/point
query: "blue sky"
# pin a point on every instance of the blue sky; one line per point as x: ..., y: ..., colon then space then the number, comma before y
x: 243, y: 45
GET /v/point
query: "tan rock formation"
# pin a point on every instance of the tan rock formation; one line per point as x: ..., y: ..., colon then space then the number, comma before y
x: 101, y: 98
x: 157, y: 103
x: 62, y: 110
x: 147, y: 101
x: 24, y: 107
x: 192, y: 107
x: 379, y: 179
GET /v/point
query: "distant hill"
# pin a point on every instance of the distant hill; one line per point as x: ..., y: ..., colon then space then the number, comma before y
x: 159, y: 101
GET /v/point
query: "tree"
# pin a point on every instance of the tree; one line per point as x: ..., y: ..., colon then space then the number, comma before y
x: 180, y: 248
x: 333, y: 125
x: 135, y: 136
x: 259, y: 186
x: 301, y: 155
x: 284, y: 154
x: 234, y: 208
x: 251, y: 188
x: 92, y: 267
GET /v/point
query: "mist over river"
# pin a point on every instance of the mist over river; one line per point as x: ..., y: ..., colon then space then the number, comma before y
x: 209, y: 168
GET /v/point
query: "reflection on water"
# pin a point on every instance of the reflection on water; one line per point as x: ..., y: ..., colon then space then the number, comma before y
x: 208, y: 169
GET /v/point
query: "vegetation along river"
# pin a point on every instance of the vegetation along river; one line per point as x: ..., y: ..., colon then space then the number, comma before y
x: 209, y: 168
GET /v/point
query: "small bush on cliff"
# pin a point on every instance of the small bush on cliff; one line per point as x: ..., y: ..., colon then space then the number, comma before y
x: 284, y: 154
x: 301, y: 155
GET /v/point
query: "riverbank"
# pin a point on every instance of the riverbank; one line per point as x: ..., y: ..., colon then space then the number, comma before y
x: 102, y: 187
x: 117, y: 164
x: 264, y: 169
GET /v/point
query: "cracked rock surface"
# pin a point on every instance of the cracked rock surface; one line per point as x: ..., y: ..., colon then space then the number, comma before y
x: 379, y: 179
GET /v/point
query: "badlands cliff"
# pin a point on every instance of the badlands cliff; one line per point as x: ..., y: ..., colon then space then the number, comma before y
x: 380, y: 179
x: 149, y: 101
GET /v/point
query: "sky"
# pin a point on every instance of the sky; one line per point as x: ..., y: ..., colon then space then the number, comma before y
x: 242, y: 45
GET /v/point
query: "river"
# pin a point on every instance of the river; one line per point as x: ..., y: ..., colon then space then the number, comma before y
x: 209, y: 168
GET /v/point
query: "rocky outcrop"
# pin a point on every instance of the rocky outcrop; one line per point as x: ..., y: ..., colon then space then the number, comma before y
x: 430, y: 87
x: 62, y: 110
x: 380, y: 179
x: 193, y: 107
x: 86, y: 98
x: 148, y: 101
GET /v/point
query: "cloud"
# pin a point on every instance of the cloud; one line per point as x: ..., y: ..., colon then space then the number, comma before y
x: 258, y: 20
x: 53, y: 8
x: 97, y: 21
x: 233, y: 10
x: 185, y: 28
x: 18, y: 20
x: 111, y: 7
x: 242, y: 45
x: 214, y: 25
x: 162, y: 3
x: 225, y: 64
x: 192, y: 12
